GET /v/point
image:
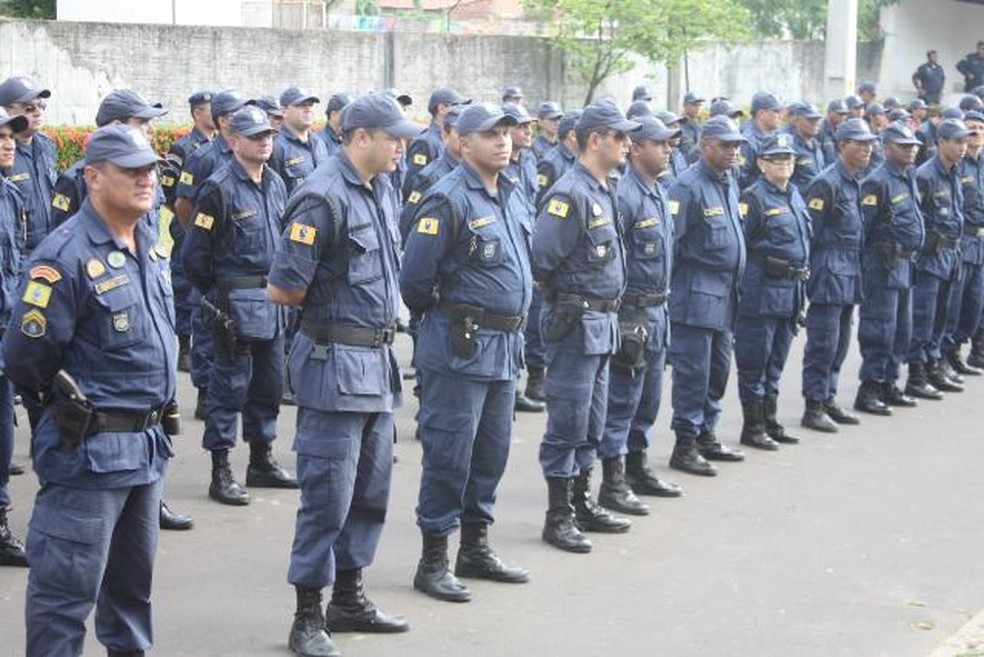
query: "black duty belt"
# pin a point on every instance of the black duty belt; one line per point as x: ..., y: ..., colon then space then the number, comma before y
x: 124, y: 422
x: 973, y: 231
x: 895, y: 250
x: 645, y: 300
x: 483, y: 318
x: 780, y: 268
x: 590, y: 303
x: 353, y: 336
x: 240, y: 283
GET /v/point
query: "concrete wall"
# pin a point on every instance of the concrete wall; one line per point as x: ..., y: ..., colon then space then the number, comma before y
x: 913, y: 27
x: 81, y: 62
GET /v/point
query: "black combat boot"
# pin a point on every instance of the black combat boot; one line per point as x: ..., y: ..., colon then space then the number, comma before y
x: 351, y: 611
x: 433, y: 576
x: 264, y: 471
x: 125, y: 653
x: 687, y: 458
x: 868, y: 399
x: 477, y: 560
x: 174, y: 521
x: 184, y: 353
x: 224, y: 488
x: 976, y: 357
x: 11, y: 548
x: 201, y: 405
x: 753, y: 428
x: 713, y: 449
x: 588, y: 516
x: 524, y: 404
x: 815, y: 417
x: 534, y: 383
x: 770, y: 408
x: 615, y: 492
x: 938, y: 379
x: 16, y: 468
x: 918, y: 384
x: 893, y: 396
x: 309, y: 637
x: 559, y: 529
x: 644, y: 481
x: 839, y: 414
x: 960, y: 366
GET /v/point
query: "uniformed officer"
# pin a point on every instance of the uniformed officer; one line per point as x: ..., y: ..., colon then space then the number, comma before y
x: 330, y: 135
x: 512, y: 96
x: 579, y: 263
x: 836, y: 113
x: 938, y: 263
x: 562, y: 158
x: 919, y: 111
x: 338, y: 260
x: 11, y: 218
x: 893, y: 234
x: 877, y: 118
x: 805, y: 129
x: 708, y: 262
x: 678, y: 163
x: 972, y: 68
x: 834, y: 202
x: 927, y: 133
x: 968, y: 296
x: 274, y: 112
x: 635, y: 386
x: 467, y: 267
x: 429, y: 144
x: 724, y: 107
x: 92, y: 337
x: 690, y: 129
x: 227, y: 254
x: 855, y: 107
x: 867, y: 91
x: 548, y: 116
x: 642, y: 92
x: 197, y: 167
x: 35, y: 167
x: 202, y: 132
x: 433, y: 172
x: 773, y: 288
x: 296, y: 150
x: 766, y: 112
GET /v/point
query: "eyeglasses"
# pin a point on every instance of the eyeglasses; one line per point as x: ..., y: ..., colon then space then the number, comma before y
x: 260, y: 136
x: 31, y: 108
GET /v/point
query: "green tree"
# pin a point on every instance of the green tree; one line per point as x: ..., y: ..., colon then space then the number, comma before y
x: 807, y: 19
x: 28, y: 8
x: 600, y: 36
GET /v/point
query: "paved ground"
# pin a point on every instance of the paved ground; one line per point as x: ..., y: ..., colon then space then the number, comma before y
x: 867, y: 543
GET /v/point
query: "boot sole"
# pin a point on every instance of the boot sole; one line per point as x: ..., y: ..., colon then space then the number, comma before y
x: 574, y: 548
x: 229, y: 501
x: 365, y: 628
x: 693, y: 471
x: 464, y: 596
x: 260, y: 482
x: 642, y: 510
x: 602, y: 529
x: 470, y: 573
x: 300, y: 653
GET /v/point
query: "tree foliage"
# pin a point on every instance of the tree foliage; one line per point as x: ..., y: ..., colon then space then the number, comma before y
x: 600, y: 36
x: 807, y: 19
x: 28, y: 8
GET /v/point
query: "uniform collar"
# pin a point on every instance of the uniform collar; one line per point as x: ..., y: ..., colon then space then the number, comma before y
x: 99, y: 233
x: 240, y: 172
x: 331, y: 134
x: 474, y: 182
x: 221, y: 143
x: 198, y: 136
x: 592, y: 181
x: 940, y: 169
x: 721, y: 178
x: 634, y: 177
x: 291, y: 137
x: 844, y: 173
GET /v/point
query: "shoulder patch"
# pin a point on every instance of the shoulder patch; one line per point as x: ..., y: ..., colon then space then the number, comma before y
x: 187, y: 178
x: 428, y: 226
x: 61, y: 202
x: 743, y: 209
x: 419, y: 159
x: 870, y: 199
x: 204, y: 221
x: 414, y: 197
x: 542, y: 180
x: 34, y: 323
x: 302, y: 233
x: 167, y: 181
x: 816, y: 204
x: 674, y: 206
x: 44, y: 273
x: 37, y: 294
x: 558, y: 208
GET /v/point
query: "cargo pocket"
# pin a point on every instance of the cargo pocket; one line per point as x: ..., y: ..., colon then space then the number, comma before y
x: 63, y: 551
x: 121, y: 323
x: 364, y: 256
x: 360, y: 371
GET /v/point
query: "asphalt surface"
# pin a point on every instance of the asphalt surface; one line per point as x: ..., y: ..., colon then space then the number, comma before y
x: 865, y: 543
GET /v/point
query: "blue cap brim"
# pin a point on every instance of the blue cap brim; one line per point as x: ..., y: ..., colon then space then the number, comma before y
x: 133, y: 161
x: 404, y: 129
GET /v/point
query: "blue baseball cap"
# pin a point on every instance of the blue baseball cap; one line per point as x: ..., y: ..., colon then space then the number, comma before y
x: 481, y: 117
x: 296, y: 96
x: 199, y: 98
x: 866, y: 85
x: 604, y: 115
x: 568, y: 122
x: 639, y: 109
x: 804, y: 109
x: 642, y: 92
x: 402, y: 97
x: 969, y: 102
x: 518, y: 112
x: 379, y: 111
x: 763, y: 100
x: 952, y: 113
x: 724, y: 107
x: 669, y: 118
x: 918, y: 103
x: 549, y: 110
x: 693, y: 98
x: 120, y: 144
x: 854, y: 130
x: 445, y: 96
x: 250, y: 120
x: 853, y: 102
x: 899, y: 133
x: 837, y: 105
x: 451, y: 116
x: 722, y: 128
x: 875, y: 108
x: 899, y: 114
x: 974, y: 115
x: 337, y: 102
x: 20, y: 89
x: 269, y: 105
x: 512, y: 92
x: 779, y: 143
x: 952, y: 129
x: 17, y: 123
x: 120, y: 104
x: 653, y: 129
x: 228, y: 101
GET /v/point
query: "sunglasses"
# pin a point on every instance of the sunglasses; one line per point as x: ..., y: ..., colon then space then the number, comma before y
x: 32, y: 108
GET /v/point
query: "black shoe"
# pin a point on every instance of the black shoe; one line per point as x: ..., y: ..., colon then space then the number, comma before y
x: 309, y: 637
x: 753, y: 428
x: 351, y: 611
x: 962, y: 367
x: 815, y: 417
x: 559, y: 529
x: 16, y: 468
x: 976, y: 360
x: 201, y: 404
x: 588, y: 516
x: 402, y: 326
x: 184, y: 354
x: 893, y: 396
x: 686, y: 458
x: 125, y: 653
x: 713, y: 449
x: 868, y: 399
x: 264, y: 471
x: 615, y: 492
x: 224, y: 489
x: 918, y: 385
x: 287, y: 398
x: 644, y: 481
x: 839, y: 414
x: 772, y: 427
x: 937, y: 378
x: 950, y: 373
x: 174, y: 521
x: 433, y: 576
x: 526, y: 405
x: 11, y: 548
x: 409, y: 374
x: 476, y: 559
x: 534, y: 384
